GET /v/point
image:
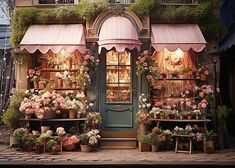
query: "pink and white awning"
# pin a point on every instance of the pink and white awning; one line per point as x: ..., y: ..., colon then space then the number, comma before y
x: 118, y: 32
x: 173, y: 36
x: 54, y: 37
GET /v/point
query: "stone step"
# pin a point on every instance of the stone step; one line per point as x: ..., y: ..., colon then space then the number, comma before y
x: 118, y: 143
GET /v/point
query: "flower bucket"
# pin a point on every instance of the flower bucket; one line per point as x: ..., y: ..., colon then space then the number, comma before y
x: 154, y: 148
x: 59, y: 83
x: 208, y: 146
x: 48, y: 115
x: 35, y: 84
x: 72, y: 114
x: 181, y: 117
x: 144, y: 147
x: 86, y: 148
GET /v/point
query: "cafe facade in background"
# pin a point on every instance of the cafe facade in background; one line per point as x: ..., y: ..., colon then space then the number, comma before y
x: 128, y: 57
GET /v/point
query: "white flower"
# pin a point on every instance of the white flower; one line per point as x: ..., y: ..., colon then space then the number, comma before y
x: 91, y: 104
x: 49, y: 132
x: 144, y: 99
x: 143, y: 106
x: 148, y: 104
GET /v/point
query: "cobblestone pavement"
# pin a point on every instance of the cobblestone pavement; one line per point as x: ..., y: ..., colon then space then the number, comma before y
x: 11, y: 156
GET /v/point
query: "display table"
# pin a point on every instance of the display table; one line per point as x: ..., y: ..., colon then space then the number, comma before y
x: 204, y: 121
x: 190, y: 140
x: 43, y: 122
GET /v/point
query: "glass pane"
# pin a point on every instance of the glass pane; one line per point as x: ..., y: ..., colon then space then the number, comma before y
x: 124, y: 58
x: 112, y: 92
x: 111, y: 74
x: 112, y: 58
x: 124, y: 95
x: 124, y: 74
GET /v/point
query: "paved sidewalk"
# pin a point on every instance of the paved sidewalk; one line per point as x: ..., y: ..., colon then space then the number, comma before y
x: 9, y: 156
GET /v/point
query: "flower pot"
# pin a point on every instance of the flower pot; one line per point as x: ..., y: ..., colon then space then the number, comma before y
x: 28, y: 116
x: 13, y: 142
x: 181, y: 117
x: 162, y: 117
x: 155, y: 116
x: 144, y: 147
x: 49, y: 115
x: 189, y: 117
x: 86, y: 148
x: 154, y: 148
x: 35, y: 84
x: 198, y: 117
x: 72, y: 114
x: 59, y: 83
x: 70, y: 147
x: 69, y: 63
x: 208, y: 146
x: 79, y: 115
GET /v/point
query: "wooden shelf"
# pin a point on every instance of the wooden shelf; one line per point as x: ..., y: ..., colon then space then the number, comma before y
x: 173, y: 97
x: 178, y: 120
x: 178, y: 79
x: 58, y: 70
x: 61, y: 89
x: 55, y: 120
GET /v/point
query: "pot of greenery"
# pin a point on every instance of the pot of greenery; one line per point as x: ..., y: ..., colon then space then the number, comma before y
x: 144, y: 142
x: 208, y: 143
x: 154, y: 143
x: 12, y: 115
x: 21, y: 135
x: 53, y: 145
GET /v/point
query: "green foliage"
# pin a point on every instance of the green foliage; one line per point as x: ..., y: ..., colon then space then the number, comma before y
x: 223, y: 113
x: 171, y: 13
x: 90, y: 8
x: 209, y: 135
x: 22, y: 18
x: 145, y: 138
x: 142, y: 7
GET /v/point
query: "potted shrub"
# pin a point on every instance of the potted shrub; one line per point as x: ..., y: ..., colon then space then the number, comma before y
x: 144, y: 142
x: 208, y: 143
x: 53, y: 145
x: 21, y: 134
x: 154, y: 143
x: 12, y: 115
x: 89, y: 140
x: 69, y: 142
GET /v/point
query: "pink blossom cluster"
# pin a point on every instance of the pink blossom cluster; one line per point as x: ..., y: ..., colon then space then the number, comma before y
x: 203, y: 70
x: 70, y: 140
x: 142, y: 118
x: 205, y: 90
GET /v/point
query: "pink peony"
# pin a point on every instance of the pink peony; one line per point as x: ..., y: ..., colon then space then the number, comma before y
x: 201, y: 94
x: 145, y: 52
x: 203, y: 105
x: 194, y: 107
x: 145, y: 64
x: 206, y: 72
x: 149, y: 76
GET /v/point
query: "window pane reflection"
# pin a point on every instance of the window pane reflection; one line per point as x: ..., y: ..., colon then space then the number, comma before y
x: 124, y: 74
x: 112, y: 58
x: 111, y: 74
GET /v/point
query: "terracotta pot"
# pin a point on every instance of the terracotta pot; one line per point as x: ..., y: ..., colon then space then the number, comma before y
x: 59, y: 83
x: 189, y: 117
x: 154, y: 148
x: 49, y: 115
x: 79, y: 114
x: 72, y: 114
x: 86, y: 148
x: 162, y: 117
x: 35, y: 84
x: 69, y: 63
x: 181, y: 117
x: 144, y: 147
x: 208, y: 146
x: 69, y: 147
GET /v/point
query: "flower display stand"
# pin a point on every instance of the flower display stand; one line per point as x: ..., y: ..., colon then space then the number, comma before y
x: 190, y: 140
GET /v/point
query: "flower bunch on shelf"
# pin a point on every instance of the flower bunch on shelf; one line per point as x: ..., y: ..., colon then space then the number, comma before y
x: 53, y: 62
x: 70, y: 141
x: 93, y: 119
x: 144, y: 105
x: 67, y: 75
x: 90, y: 138
x: 87, y: 68
x: 146, y: 66
x: 60, y: 131
x: 203, y: 72
x: 188, y: 130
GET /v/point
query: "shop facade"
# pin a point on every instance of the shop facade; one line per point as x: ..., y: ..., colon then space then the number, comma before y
x: 116, y: 37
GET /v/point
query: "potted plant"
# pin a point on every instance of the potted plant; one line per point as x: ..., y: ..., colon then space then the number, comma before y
x: 208, y: 143
x: 144, y: 142
x: 12, y: 115
x: 89, y: 140
x: 69, y: 142
x: 21, y: 134
x: 93, y: 120
x: 53, y: 145
x: 154, y: 142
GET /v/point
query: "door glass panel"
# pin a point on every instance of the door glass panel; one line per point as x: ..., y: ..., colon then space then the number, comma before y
x: 112, y: 74
x: 124, y: 74
x: 118, y: 77
x: 112, y: 58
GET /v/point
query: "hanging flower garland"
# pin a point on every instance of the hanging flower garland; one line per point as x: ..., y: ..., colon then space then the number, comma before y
x: 146, y: 66
x: 87, y: 68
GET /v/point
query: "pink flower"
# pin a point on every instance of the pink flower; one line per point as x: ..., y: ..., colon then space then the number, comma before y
x: 204, y: 101
x: 201, y: 94
x: 149, y: 76
x: 145, y: 52
x: 194, y: 107
x: 145, y: 64
x: 206, y: 72
x: 203, y: 105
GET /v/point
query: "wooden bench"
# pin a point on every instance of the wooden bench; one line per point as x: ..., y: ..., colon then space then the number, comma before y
x: 190, y: 140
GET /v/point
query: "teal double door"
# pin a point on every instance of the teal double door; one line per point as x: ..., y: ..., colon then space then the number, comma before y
x: 118, y: 90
